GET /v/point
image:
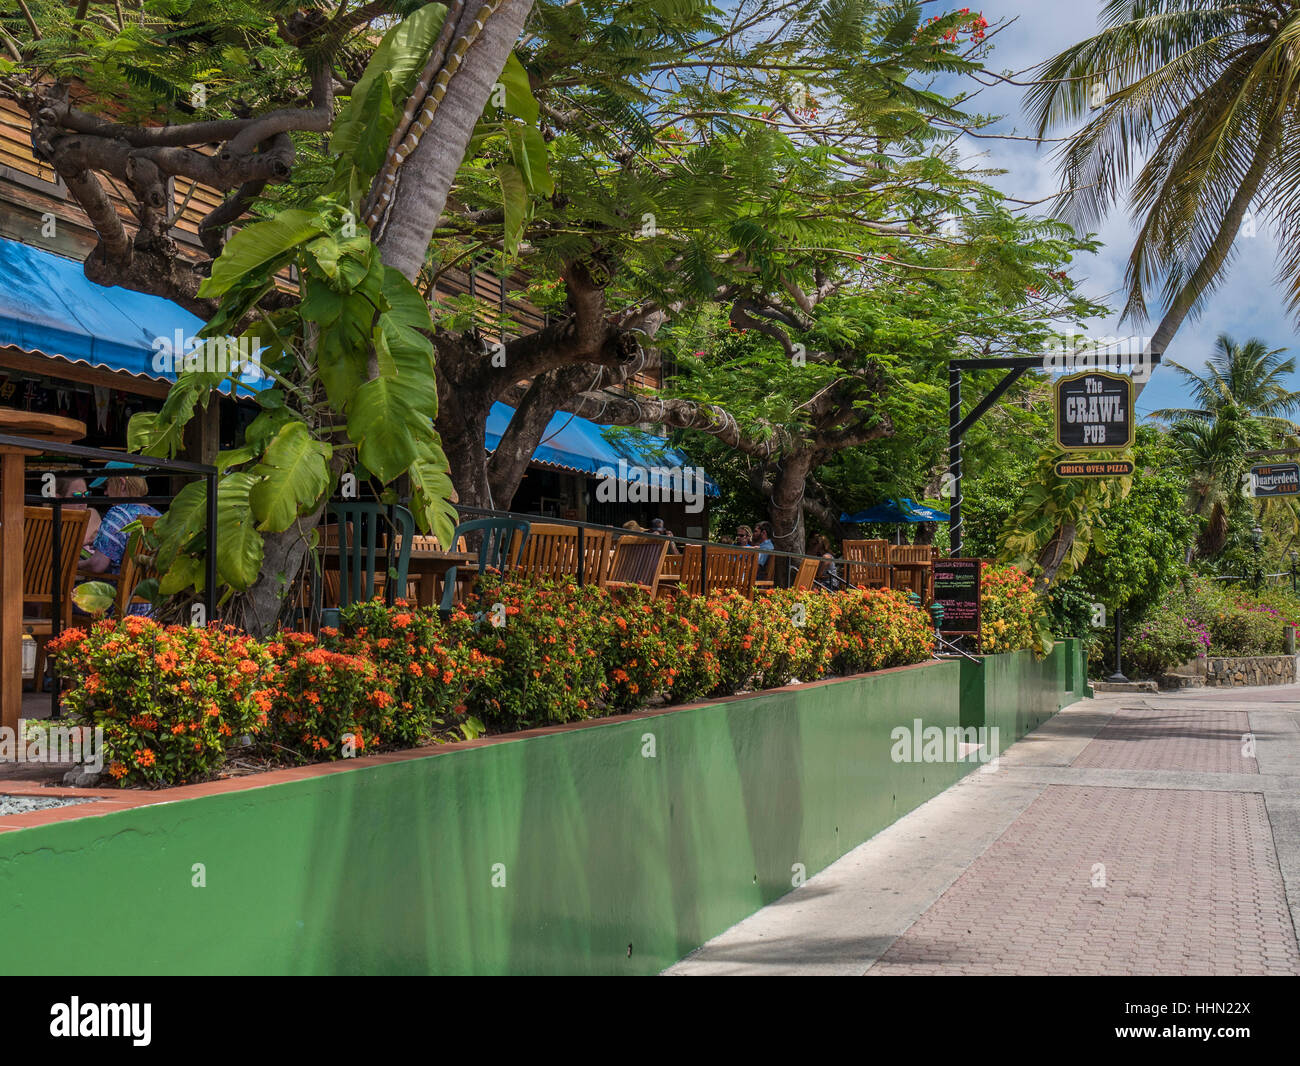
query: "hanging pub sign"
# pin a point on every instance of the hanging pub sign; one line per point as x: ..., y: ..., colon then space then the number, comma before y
x: 1094, y: 411
x: 1275, y: 479
x: 957, y: 588
x: 1094, y: 468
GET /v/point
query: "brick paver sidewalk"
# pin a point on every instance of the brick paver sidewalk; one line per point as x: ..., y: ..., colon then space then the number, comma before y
x: 1150, y: 835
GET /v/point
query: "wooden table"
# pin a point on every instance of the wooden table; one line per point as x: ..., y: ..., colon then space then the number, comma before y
x: 13, y: 462
x: 430, y: 566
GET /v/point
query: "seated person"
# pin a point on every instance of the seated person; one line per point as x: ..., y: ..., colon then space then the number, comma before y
x: 827, y: 573
x: 110, y: 541
x: 658, y: 528
x: 763, y: 536
x: 75, y: 488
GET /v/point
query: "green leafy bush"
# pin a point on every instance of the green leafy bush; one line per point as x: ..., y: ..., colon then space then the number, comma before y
x: 1165, y: 640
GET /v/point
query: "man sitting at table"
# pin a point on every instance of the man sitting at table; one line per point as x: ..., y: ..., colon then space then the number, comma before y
x: 110, y: 542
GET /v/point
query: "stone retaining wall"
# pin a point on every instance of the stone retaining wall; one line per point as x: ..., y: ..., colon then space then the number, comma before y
x: 1250, y: 670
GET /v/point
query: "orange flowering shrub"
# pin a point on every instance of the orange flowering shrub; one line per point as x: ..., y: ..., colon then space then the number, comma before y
x: 655, y: 650
x: 547, y: 643
x: 878, y: 628
x: 431, y: 664
x: 169, y: 699
x: 805, y: 631
x: 326, y: 704
x: 517, y: 655
x: 1009, y: 610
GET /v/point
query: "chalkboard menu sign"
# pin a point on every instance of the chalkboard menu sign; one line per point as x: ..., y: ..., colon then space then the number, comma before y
x: 1094, y: 410
x: 957, y: 588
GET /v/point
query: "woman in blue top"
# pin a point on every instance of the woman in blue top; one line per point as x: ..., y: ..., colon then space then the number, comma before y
x: 110, y: 542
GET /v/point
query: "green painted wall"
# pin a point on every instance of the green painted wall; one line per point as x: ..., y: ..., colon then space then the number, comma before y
x: 389, y: 869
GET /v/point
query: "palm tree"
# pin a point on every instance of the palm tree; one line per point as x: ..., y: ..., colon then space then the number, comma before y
x: 1214, y: 453
x: 1205, y: 92
x: 1242, y: 404
x: 1249, y: 376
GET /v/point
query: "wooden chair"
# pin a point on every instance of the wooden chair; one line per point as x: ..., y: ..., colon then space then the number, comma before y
x: 136, y: 567
x: 637, y: 563
x: 911, y: 567
x: 551, y: 553
x: 807, y: 574
x: 38, y: 573
x: 867, y: 563
x: 729, y: 568
x: 672, y: 566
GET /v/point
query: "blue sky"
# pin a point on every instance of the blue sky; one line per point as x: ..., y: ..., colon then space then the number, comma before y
x: 1249, y: 304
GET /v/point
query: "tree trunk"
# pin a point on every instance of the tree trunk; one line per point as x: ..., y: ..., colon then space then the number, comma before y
x: 463, y: 429
x: 424, y: 180
x: 1051, y: 558
x: 1217, y: 254
x: 509, y: 463
x: 426, y: 176
x: 785, y: 505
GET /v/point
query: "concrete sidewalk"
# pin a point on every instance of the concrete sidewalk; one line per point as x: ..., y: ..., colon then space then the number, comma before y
x: 1152, y: 834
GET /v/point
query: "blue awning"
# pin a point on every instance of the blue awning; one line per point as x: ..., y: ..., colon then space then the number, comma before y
x: 901, y: 510
x: 582, y: 447
x: 49, y: 307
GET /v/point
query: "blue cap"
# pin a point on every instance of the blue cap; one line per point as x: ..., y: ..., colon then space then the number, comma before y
x: 114, y: 465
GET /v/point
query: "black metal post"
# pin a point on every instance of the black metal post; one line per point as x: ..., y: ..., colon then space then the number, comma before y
x: 704, y: 570
x: 582, y: 556
x: 954, y: 458
x: 210, y: 563
x: 1118, y: 676
x: 56, y: 605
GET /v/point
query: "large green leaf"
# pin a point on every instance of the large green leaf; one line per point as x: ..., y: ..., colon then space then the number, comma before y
x: 184, y: 520
x: 94, y: 597
x: 431, y: 483
x: 514, y: 197
x: 389, y: 416
x: 295, y: 476
x: 260, y: 243
x: 343, y: 351
x: 401, y: 56
x: 239, y: 544
x: 528, y: 149
x: 185, y: 571
x: 519, y: 100
x: 163, y: 433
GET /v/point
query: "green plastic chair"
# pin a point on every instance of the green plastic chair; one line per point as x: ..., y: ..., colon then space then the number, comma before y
x: 359, y: 526
x: 493, y: 550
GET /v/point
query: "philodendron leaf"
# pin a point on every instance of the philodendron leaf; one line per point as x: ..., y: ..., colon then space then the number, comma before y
x: 391, y: 417
x: 239, y: 544
x: 259, y: 243
x: 431, y: 483
x: 400, y: 57
x: 295, y: 476
x: 94, y: 597
x: 185, y: 520
x: 185, y: 571
x: 514, y: 197
x: 519, y: 100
